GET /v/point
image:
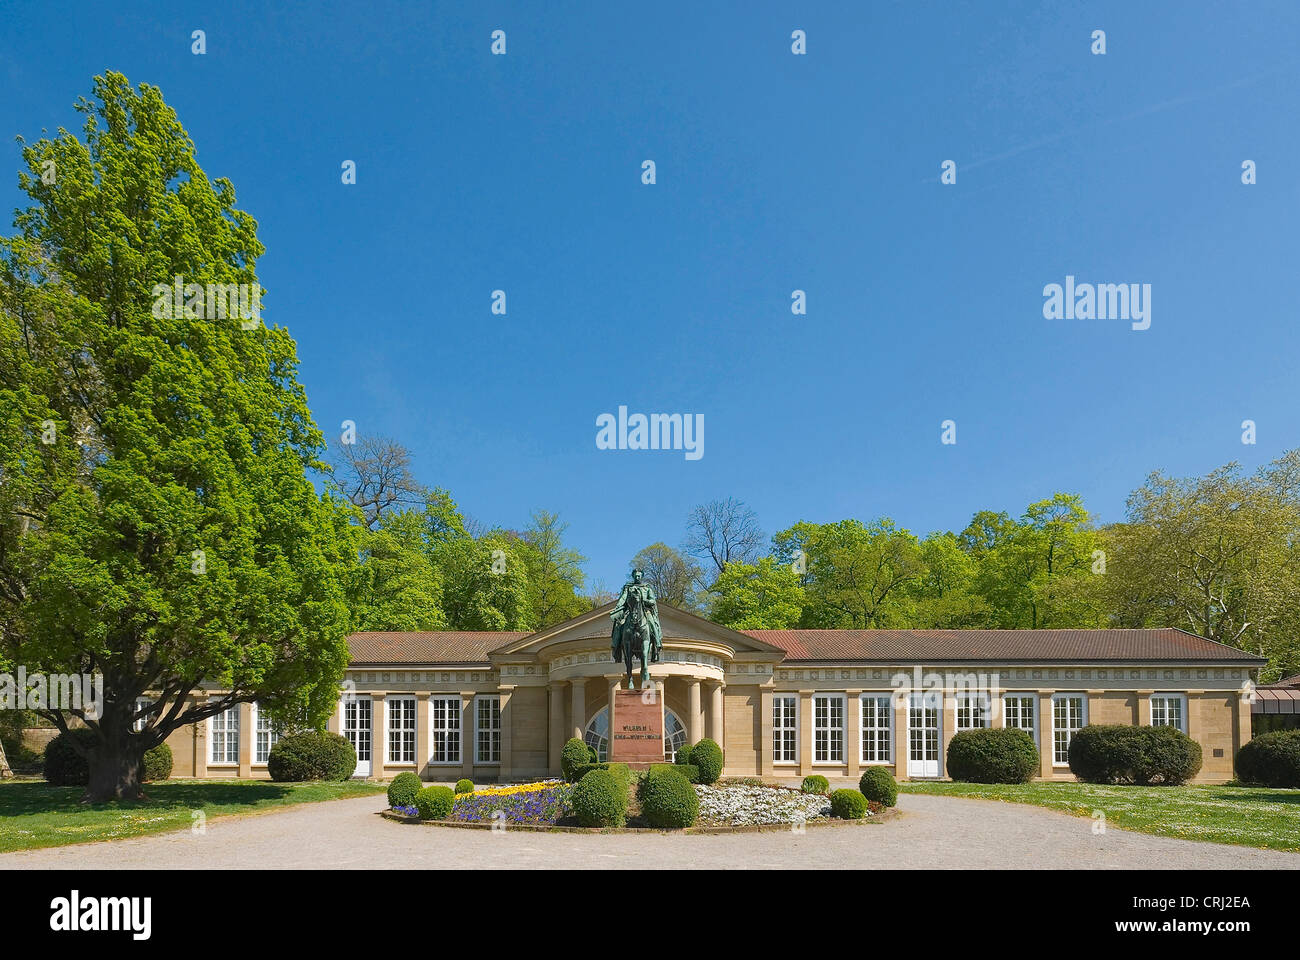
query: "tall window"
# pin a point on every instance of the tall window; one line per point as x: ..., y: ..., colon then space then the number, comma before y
x: 877, y: 728
x: 1169, y: 710
x: 785, y: 729
x: 266, y: 735
x: 828, y: 728
x: 674, y: 735
x: 139, y: 723
x: 487, y: 730
x: 1018, y: 712
x: 444, y: 747
x: 223, y: 729
x: 401, y: 729
x: 1068, y: 715
x: 972, y: 711
x: 596, y: 735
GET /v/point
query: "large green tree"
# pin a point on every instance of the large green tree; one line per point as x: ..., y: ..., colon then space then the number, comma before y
x: 554, y: 571
x: 672, y: 575
x: 764, y: 595
x: 159, y: 525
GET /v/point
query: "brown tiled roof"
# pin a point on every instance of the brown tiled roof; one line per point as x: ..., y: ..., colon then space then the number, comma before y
x: 905, y: 646
x: 1276, y: 699
x: 442, y: 646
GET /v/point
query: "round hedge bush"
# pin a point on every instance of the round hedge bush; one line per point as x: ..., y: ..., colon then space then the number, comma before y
x: 1120, y: 753
x: 667, y: 799
x: 878, y: 785
x: 1004, y: 755
x: 683, y: 755
x: 815, y: 784
x: 600, y: 800
x: 434, y: 803
x: 1271, y: 759
x: 573, y: 755
x: 593, y: 756
x: 707, y: 756
x: 65, y: 767
x: 402, y: 791
x: 464, y: 786
x: 848, y: 804
x: 314, y: 755
x: 157, y: 764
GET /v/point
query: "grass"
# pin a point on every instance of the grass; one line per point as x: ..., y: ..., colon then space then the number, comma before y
x: 34, y: 814
x: 1248, y: 816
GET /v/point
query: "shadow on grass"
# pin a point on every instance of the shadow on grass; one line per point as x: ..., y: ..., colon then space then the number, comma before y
x: 17, y: 799
x: 1257, y: 794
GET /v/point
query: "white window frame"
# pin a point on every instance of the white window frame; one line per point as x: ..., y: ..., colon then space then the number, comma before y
x: 493, y: 727
x: 262, y: 725
x: 872, y: 734
x: 224, y: 723
x: 1069, y: 731
x: 453, y: 736
x: 137, y: 725
x: 1166, y: 698
x: 975, y: 701
x: 1032, y: 729
x: 830, y: 729
x: 405, y: 725
x: 778, y: 730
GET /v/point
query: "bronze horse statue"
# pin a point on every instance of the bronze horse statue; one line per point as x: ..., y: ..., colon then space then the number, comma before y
x: 636, y: 633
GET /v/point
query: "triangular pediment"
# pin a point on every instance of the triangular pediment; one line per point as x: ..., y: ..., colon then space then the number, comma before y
x: 676, y: 625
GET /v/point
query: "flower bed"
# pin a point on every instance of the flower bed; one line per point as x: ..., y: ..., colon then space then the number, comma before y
x: 740, y: 804
x: 544, y: 803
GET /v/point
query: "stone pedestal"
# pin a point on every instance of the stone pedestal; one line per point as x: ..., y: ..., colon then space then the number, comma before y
x: 636, y: 729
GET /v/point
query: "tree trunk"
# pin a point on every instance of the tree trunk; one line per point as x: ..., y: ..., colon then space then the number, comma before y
x: 114, y: 774
x: 5, y: 772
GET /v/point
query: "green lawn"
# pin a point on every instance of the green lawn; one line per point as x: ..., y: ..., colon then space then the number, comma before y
x: 34, y: 814
x: 1251, y: 816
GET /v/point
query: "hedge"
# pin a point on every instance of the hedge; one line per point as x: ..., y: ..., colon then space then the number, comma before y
x: 402, y: 791
x: 62, y: 766
x: 815, y: 784
x: 434, y: 803
x: 1271, y: 759
x: 600, y: 800
x: 1120, y: 753
x: 1003, y: 755
x: 848, y: 804
x: 878, y: 785
x: 683, y: 755
x: 464, y: 786
x: 689, y: 771
x: 314, y: 755
x: 667, y: 798
x: 707, y: 756
x: 573, y: 755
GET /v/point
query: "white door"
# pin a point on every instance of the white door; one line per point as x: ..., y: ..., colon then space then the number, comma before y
x: 356, y: 729
x: 923, y: 735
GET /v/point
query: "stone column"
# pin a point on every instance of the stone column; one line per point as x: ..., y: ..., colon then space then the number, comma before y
x: 578, y: 706
x: 503, y: 772
x: 467, y: 745
x: 1242, y: 708
x: 422, y: 748
x: 766, y: 753
x: 716, y: 713
x: 852, y: 733
x: 200, y: 744
x: 1046, y: 742
x: 378, y: 734
x: 555, y: 739
x: 612, y: 684
x: 1142, y: 712
x: 693, y: 710
x: 901, y: 703
x: 805, y: 732
x: 1193, y: 719
x: 245, y: 740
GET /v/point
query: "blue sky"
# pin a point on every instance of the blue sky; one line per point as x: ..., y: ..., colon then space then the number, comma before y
x: 775, y: 172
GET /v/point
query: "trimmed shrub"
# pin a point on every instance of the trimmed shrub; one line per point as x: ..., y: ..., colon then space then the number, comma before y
x: 707, y: 756
x: 848, y: 804
x: 600, y: 800
x: 878, y: 785
x: 314, y: 755
x: 582, y: 769
x: 464, y: 786
x: 667, y: 798
x: 683, y: 755
x: 689, y: 771
x: 592, y: 755
x: 621, y: 772
x: 62, y: 766
x: 1271, y: 759
x: 1120, y: 753
x: 815, y: 784
x: 157, y: 764
x: 1005, y: 755
x: 402, y: 791
x: 573, y: 755
x: 434, y: 803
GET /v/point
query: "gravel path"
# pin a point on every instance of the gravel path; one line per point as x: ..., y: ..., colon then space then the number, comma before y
x: 929, y: 832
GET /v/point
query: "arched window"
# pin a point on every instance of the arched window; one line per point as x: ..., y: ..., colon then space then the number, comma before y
x: 597, y: 734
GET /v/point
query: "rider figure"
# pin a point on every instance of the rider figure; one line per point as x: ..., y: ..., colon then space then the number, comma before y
x: 636, y: 601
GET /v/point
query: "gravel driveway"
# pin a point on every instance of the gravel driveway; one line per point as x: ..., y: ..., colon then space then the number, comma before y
x: 929, y: 832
